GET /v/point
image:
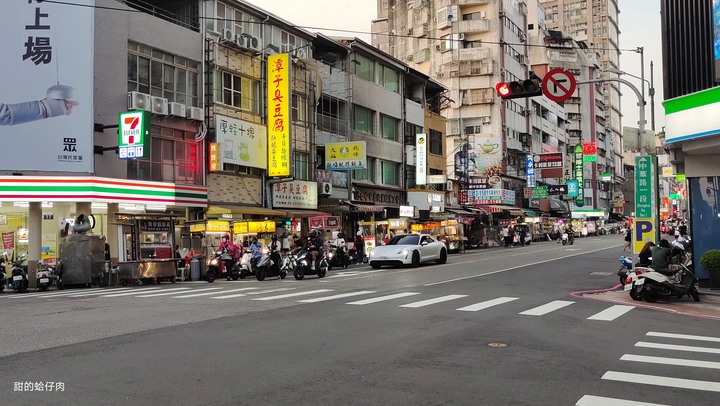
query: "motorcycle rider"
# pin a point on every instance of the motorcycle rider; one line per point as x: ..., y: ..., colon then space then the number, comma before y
x: 661, y: 256
x: 314, y: 244
x: 256, y: 249
x: 232, y: 250
x: 359, y: 246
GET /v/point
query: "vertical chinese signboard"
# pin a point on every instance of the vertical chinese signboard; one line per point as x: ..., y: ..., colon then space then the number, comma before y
x: 530, y: 170
x: 645, y: 200
x: 421, y: 162
x: 213, y: 157
x: 278, y: 87
x: 580, y: 200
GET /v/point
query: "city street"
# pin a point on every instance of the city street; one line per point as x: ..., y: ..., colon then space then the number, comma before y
x: 496, y: 326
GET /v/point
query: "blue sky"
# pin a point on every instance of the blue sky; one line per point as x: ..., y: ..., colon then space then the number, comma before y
x: 639, y: 27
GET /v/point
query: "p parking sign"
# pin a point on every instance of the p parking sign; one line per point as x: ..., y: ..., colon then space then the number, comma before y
x: 644, y: 228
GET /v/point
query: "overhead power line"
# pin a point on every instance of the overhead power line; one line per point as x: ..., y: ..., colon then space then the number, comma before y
x: 339, y: 30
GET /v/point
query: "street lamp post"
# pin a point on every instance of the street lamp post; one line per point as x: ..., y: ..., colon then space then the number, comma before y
x: 651, y: 90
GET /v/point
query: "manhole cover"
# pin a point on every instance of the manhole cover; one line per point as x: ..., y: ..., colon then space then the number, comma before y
x: 497, y: 345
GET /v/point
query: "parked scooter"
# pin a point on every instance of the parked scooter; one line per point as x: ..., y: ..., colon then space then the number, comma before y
x: 3, y: 273
x: 304, y: 267
x: 45, y: 276
x: 676, y: 281
x: 269, y: 265
x: 19, y: 275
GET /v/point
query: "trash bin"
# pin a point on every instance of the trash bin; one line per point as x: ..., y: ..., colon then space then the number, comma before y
x: 194, y: 269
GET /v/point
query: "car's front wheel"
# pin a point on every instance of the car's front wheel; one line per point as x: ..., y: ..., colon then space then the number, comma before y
x: 415, y: 259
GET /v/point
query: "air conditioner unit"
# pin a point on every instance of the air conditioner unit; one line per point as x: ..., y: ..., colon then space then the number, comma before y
x: 325, y: 188
x: 139, y: 101
x: 485, y: 119
x: 228, y: 35
x: 195, y: 113
x: 483, y: 14
x: 176, y: 109
x: 159, y: 105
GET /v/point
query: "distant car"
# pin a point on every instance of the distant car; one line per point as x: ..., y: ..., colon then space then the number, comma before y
x: 411, y: 249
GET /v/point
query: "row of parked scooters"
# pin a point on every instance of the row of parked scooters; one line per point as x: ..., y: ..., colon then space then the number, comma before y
x: 280, y: 263
x: 648, y: 284
x: 16, y: 277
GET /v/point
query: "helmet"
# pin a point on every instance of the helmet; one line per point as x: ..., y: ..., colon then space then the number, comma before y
x: 274, y: 237
x: 313, y: 233
x: 254, y: 239
x: 226, y: 236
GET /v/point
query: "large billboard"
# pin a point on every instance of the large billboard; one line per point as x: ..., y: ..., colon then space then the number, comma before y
x: 486, y: 161
x: 241, y: 142
x: 46, y: 86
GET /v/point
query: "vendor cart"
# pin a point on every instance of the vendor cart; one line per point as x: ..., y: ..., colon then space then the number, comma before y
x: 146, y: 248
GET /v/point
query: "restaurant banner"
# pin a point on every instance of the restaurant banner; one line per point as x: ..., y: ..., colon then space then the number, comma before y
x: 278, y: 97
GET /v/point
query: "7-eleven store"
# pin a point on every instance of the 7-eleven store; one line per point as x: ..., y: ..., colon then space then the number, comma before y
x: 34, y: 206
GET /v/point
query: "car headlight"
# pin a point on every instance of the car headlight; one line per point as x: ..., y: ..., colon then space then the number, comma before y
x: 403, y: 252
x: 372, y: 253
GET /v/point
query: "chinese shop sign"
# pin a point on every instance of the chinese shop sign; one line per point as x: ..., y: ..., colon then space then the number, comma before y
x: 278, y: 97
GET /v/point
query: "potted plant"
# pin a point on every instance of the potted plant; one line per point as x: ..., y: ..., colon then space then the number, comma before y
x: 710, y: 260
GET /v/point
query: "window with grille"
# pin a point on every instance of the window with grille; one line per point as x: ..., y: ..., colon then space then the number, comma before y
x: 237, y: 91
x: 174, y: 158
x: 161, y: 74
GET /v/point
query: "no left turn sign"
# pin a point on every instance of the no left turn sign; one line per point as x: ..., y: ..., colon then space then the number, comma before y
x: 559, y: 85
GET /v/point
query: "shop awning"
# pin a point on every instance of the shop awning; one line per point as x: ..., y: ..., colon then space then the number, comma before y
x: 366, y: 208
x: 459, y: 211
x: 514, y: 211
x: 306, y: 213
x: 216, y: 210
x: 529, y: 212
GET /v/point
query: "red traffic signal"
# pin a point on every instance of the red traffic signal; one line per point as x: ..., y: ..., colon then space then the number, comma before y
x: 518, y: 89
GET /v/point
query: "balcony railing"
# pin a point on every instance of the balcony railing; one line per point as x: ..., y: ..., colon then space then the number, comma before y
x: 474, y: 26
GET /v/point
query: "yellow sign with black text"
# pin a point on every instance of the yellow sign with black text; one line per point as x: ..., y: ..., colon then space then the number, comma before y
x: 643, y: 231
x: 278, y: 100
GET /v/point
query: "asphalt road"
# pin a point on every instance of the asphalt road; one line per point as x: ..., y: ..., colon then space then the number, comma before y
x: 490, y: 327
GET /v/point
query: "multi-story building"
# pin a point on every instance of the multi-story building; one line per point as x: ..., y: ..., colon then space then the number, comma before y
x: 470, y: 46
x: 596, y: 24
x: 691, y: 67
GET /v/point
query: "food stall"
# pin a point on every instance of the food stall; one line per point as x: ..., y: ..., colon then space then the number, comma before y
x: 146, y: 245
x: 207, y: 235
x: 243, y: 231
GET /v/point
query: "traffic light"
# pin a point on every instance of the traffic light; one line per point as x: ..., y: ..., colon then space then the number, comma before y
x: 517, y: 89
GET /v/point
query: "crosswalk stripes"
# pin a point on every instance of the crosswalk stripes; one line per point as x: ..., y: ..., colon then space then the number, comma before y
x: 486, y: 304
x: 611, y: 313
x: 671, y: 361
x: 663, y: 381
x: 674, y: 382
x: 547, y: 308
x: 338, y: 296
x: 432, y: 301
x: 310, y: 292
x: 589, y: 400
x: 222, y: 293
x: 382, y: 298
x: 49, y: 294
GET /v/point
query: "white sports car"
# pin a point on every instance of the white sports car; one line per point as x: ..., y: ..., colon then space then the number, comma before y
x: 411, y: 249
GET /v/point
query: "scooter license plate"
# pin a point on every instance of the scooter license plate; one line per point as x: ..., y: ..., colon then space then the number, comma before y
x: 628, y: 286
x: 17, y: 278
x: 640, y: 281
x: 44, y: 280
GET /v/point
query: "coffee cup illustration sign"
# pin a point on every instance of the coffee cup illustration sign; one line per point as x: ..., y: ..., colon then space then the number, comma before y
x: 489, y: 147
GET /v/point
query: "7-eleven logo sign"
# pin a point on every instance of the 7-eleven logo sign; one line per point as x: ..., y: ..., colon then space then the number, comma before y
x: 131, y: 128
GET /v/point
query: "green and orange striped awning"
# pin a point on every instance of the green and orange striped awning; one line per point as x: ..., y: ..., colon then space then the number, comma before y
x: 95, y: 189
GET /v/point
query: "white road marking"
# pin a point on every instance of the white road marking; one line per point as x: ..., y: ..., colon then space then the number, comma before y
x: 198, y: 294
x: 671, y: 361
x: 383, y: 298
x: 677, y: 347
x: 488, y: 303
x: 55, y: 293
x: 625, y: 377
x: 684, y: 336
x: 234, y: 295
x: 141, y: 291
x: 103, y: 292
x: 547, y: 308
x: 589, y: 400
x: 512, y: 268
x: 611, y: 313
x: 166, y: 292
x: 309, y: 292
x: 339, y: 296
x: 432, y: 301
x: 262, y: 292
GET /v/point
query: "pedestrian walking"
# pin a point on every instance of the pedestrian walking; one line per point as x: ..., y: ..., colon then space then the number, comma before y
x: 628, y: 239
